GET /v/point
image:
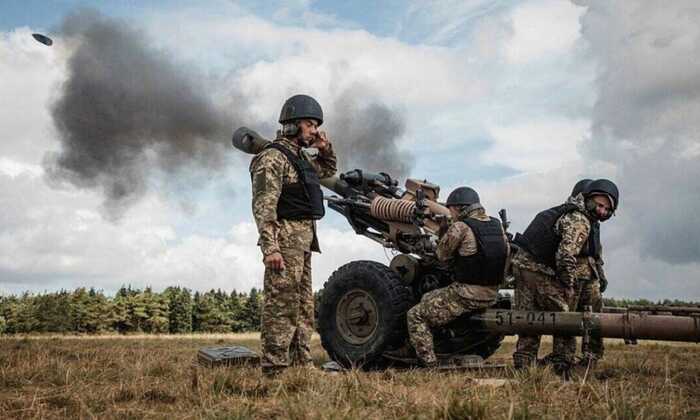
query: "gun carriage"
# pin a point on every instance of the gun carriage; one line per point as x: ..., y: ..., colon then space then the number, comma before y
x: 363, y: 305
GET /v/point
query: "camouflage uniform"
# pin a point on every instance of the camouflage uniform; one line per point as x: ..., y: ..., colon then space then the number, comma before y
x: 439, y: 307
x: 539, y: 288
x: 288, y: 308
x: 589, y: 274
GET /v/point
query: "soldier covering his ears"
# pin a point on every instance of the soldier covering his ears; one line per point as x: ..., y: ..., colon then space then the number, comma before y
x: 287, y: 200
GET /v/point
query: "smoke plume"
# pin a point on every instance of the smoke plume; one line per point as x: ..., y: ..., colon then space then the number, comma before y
x: 127, y: 109
x: 365, y: 134
x: 645, y: 121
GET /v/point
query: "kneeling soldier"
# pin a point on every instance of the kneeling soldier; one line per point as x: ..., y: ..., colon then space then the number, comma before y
x: 477, y: 249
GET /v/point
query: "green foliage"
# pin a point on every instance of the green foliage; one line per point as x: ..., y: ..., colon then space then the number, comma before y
x: 252, y: 311
x: 645, y: 302
x: 90, y: 311
x: 180, y: 309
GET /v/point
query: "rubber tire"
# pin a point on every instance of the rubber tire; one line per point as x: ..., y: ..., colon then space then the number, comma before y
x: 392, y: 298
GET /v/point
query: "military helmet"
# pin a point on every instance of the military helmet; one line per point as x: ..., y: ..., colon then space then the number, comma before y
x: 580, y: 186
x: 300, y: 107
x: 462, y: 196
x: 606, y: 187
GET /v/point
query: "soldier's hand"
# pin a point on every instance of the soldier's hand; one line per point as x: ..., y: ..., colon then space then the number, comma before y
x: 274, y: 261
x: 603, y: 285
x: 321, y: 142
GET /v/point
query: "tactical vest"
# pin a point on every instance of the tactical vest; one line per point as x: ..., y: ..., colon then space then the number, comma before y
x: 303, y: 199
x: 486, y: 267
x: 542, y: 241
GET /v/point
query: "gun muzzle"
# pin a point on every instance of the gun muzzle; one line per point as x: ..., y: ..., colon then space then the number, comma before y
x: 249, y: 141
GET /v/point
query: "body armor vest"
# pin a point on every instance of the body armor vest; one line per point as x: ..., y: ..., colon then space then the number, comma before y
x: 303, y: 199
x: 541, y: 240
x: 486, y: 267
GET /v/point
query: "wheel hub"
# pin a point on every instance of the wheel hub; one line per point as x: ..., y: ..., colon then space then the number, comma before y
x: 357, y: 316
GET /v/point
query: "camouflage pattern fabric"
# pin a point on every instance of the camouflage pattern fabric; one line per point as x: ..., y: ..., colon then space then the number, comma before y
x: 439, y: 307
x: 270, y: 170
x: 536, y: 291
x: 588, y: 294
x: 288, y: 312
x: 288, y: 307
x: 573, y: 228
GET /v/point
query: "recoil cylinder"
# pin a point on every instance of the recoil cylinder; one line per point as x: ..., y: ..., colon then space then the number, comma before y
x: 392, y: 210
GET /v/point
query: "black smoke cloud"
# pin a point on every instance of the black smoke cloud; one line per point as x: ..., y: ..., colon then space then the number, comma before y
x: 127, y: 109
x: 645, y: 121
x: 366, y: 133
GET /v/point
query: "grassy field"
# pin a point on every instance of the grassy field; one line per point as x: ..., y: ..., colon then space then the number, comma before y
x: 154, y: 377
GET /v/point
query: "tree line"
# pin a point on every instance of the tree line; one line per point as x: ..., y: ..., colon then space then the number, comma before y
x: 176, y: 310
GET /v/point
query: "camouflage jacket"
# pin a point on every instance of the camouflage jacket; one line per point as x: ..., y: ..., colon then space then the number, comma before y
x: 459, y: 238
x: 573, y: 228
x: 270, y: 170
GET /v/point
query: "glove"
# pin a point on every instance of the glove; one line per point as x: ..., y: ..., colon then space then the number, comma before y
x: 603, y: 285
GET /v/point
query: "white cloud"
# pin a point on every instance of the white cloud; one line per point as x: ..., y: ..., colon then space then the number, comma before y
x: 537, y: 146
x: 29, y: 72
x: 51, y: 238
x: 542, y: 29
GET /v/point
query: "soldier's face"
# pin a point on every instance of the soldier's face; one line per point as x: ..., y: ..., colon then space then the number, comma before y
x: 603, y: 207
x: 308, y: 130
x: 454, y: 211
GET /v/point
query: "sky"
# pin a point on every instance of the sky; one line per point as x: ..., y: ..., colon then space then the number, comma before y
x: 116, y: 166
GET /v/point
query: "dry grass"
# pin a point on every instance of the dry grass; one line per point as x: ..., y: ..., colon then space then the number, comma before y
x: 153, y: 377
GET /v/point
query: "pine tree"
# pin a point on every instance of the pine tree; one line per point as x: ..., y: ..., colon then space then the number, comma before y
x: 119, y: 315
x: 209, y: 315
x: 157, y: 310
x: 252, y: 311
x: 235, y: 307
x: 20, y: 315
x: 196, y: 303
x: 180, y: 309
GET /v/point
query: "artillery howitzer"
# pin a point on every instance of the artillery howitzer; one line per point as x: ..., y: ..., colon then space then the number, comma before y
x: 363, y: 305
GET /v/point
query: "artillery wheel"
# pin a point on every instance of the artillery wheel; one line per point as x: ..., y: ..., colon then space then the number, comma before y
x: 362, y: 313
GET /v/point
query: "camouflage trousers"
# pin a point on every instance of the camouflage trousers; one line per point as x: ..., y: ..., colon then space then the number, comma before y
x: 588, y: 294
x: 288, y: 313
x: 536, y: 291
x: 439, y: 307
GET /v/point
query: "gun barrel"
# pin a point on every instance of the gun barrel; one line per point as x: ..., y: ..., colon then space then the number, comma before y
x: 627, y: 326
x: 336, y: 185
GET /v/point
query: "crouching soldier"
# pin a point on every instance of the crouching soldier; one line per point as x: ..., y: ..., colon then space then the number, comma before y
x: 476, y: 248
x: 548, y: 266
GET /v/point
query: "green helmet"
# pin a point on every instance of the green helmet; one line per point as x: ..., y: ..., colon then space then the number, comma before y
x: 605, y: 187
x: 300, y: 107
x: 462, y: 196
x: 580, y: 187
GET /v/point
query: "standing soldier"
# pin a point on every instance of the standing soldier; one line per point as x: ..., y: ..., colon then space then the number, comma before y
x: 549, y: 264
x: 287, y: 200
x: 477, y: 249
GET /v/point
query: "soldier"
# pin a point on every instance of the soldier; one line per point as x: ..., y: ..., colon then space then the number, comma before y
x: 553, y: 250
x: 591, y: 283
x: 287, y: 200
x: 476, y: 248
